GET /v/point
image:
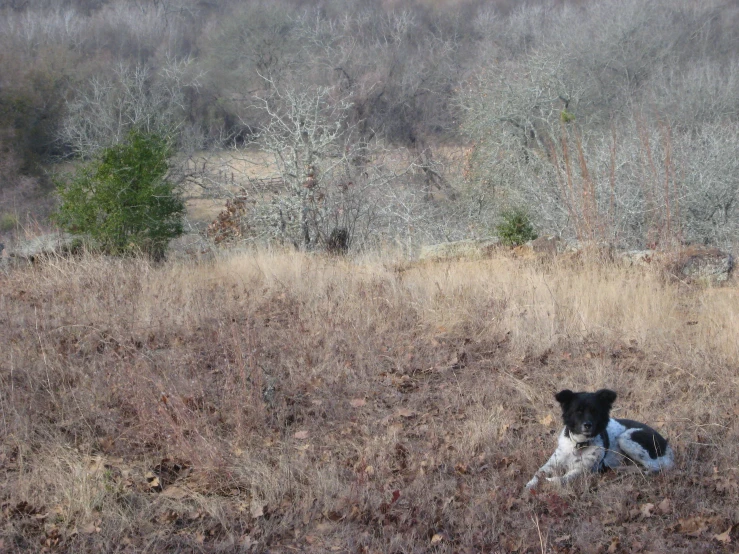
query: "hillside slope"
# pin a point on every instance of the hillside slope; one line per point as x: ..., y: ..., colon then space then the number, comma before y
x: 280, y: 402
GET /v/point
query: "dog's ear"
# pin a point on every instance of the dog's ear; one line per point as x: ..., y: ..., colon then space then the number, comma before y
x: 606, y: 395
x: 564, y: 397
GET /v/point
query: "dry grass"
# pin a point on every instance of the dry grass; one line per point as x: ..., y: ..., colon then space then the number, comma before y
x: 282, y: 402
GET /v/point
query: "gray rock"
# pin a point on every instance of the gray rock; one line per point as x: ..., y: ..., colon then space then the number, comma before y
x: 191, y: 246
x: 471, y: 248
x: 695, y: 263
x: 702, y: 264
x: 49, y: 244
x: 549, y: 245
x: 641, y: 258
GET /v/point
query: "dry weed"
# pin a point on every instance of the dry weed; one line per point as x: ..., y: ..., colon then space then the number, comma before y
x: 274, y: 401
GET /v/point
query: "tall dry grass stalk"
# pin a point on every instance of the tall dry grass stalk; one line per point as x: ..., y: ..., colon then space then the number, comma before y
x: 601, y: 213
x: 276, y: 399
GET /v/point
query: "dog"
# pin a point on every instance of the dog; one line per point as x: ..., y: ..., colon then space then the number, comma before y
x: 593, y: 441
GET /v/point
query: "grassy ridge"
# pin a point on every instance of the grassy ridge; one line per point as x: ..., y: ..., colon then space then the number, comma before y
x: 281, y: 402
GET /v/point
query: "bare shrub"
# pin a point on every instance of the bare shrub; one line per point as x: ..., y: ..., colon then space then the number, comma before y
x: 580, y: 122
x: 329, y: 177
x: 104, y: 112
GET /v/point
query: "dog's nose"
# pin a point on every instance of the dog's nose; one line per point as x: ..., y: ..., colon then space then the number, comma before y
x: 587, y: 426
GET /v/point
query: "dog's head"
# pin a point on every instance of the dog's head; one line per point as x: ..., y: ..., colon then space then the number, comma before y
x: 586, y: 414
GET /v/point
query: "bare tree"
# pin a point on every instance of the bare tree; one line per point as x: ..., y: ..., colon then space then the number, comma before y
x: 102, y: 113
x: 332, y: 179
x: 596, y: 120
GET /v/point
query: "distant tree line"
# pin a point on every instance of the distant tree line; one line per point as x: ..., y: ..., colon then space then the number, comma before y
x: 401, y: 66
x: 611, y: 120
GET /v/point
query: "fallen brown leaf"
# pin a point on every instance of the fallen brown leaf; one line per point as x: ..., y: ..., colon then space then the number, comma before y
x: 357, y: 402
x: 95, y: 464
x: 256, y: 508
x: 301, y: 435
x: 464, y: 469
x: 547, y: 420
x: 724, y: 537
x: 90, y: 528
x: 174, y: 492
x: 665, y: 507
x: 168, y: 516
x: 647, y: 510
x: 152, y: 480
x: 692, y: 526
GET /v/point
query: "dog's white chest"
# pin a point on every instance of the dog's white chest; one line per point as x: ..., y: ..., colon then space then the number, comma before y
x: 570, y: 456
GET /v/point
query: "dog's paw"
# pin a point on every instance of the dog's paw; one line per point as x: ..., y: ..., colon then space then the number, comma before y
x: 532, y: 484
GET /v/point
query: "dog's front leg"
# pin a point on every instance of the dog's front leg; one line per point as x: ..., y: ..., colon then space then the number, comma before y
x: 588, y: 462
x: 546, y: 469
x: 567, y: 477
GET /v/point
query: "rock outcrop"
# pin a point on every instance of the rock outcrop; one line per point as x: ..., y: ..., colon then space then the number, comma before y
x: 642, y: 258
x: 702, y: 264
x: 472, y: 249
x: 693, y: 263
x: 549, y: 246
x: 49, y: 244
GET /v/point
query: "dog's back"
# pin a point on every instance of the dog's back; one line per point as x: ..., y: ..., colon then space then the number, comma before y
x: 642, y: 444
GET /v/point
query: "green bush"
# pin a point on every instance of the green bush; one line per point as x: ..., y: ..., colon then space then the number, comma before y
x: 123, y: 200
x: 8, y: 222
x: 515, y: 228
x: 566, y: 117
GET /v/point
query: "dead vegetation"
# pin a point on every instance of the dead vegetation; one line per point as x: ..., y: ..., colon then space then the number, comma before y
x: 281, y: 402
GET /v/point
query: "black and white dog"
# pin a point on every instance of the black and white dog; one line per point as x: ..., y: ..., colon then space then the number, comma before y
x: 594, y: 441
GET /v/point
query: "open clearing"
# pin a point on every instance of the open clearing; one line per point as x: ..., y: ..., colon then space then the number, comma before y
x: 281, y: 402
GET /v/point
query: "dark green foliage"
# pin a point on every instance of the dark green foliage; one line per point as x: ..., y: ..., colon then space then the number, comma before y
x: 122, y: 200
x: 515, y: 228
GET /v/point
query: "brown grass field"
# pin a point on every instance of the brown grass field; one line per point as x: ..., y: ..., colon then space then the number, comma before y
x: 283, y: 402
